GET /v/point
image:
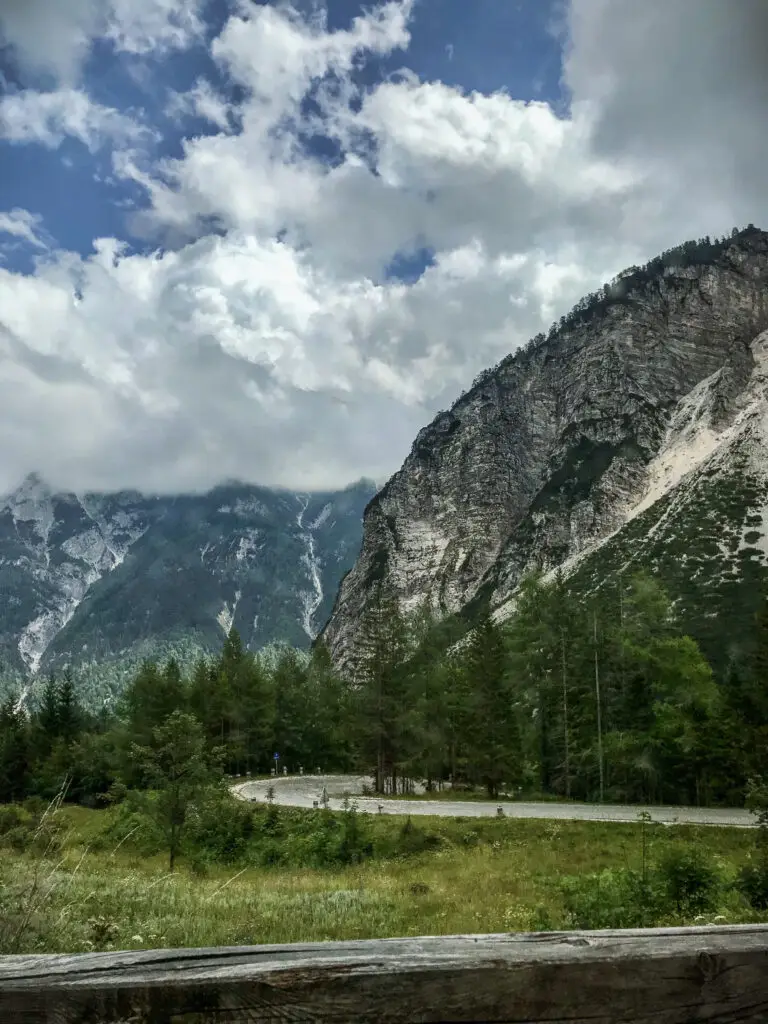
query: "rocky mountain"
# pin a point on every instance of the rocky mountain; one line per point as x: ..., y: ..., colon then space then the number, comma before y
x: 634, y: 434
x: 92, y: 577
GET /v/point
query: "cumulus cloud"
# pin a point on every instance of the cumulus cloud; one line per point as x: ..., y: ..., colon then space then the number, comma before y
x: 264, y: 338
x: 48, y: 117
x: 49, y: 36
x: 201, y: 101
x: 55, y: 37
x: 235, y: 357
x: 154, y: 26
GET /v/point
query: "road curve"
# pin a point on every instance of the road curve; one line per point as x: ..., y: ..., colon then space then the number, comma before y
x: 303, y: 790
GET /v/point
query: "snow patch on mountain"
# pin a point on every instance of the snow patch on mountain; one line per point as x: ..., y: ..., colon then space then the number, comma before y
x: 89, y: 547
x: 250, y: 507
x: 89, y: 554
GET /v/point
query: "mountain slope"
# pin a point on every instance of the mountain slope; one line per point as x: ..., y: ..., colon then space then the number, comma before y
x: 550, y: 451
x: 701, y: 522
x: 100, y: 576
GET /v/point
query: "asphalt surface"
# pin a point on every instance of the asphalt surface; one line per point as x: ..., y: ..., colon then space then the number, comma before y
x: 303, y: 790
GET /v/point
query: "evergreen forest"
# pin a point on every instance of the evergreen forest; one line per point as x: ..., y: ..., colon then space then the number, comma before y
x: 603, y: 699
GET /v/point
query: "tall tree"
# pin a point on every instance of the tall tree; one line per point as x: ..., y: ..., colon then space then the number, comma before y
x: 14, y: 753
x: 69, y: 712
x: 496, y: 743
x: 177, y: 765
x: 381, y: 678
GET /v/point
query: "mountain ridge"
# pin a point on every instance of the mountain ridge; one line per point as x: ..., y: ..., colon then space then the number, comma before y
x: 88, y: 575
x: 539, y: 459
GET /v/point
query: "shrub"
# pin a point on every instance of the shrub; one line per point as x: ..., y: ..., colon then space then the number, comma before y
x: 413, y: 840
x: 221, y: 828
x: 607, y: 899
x: 354, y: 845
x: 129, y: 825
x: 11, y: 818
x: 689, y: 880
x: 752, y: 883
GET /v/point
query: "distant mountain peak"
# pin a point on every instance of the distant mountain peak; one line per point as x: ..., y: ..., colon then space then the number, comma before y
x: 98, y: 576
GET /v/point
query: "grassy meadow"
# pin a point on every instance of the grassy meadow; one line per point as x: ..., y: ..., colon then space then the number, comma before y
x: 79, y: 880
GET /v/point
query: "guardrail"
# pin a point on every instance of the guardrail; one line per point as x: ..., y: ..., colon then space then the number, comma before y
x: 656, y: 975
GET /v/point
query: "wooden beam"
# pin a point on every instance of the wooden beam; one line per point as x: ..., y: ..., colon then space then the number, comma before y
x: 650, y: 976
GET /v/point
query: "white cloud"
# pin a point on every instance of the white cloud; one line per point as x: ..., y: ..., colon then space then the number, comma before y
x: 55, y: 36
x: 201, y: 101
x: 23, y: 225
x: 296, y: 362
x: 155, y: 26
x: 47, y: 117
x: 235, y: 357
x: 50, y: 36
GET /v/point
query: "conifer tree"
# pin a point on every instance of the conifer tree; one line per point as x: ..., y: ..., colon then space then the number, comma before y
x: 69, y: 712
x: 495, y: 737
x: 382, y: 687
x: 14, y: 753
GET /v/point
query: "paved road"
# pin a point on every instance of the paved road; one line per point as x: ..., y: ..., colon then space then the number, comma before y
x: 303, y: 790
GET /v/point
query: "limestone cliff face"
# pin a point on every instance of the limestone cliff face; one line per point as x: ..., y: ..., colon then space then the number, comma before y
x: 547, y: 451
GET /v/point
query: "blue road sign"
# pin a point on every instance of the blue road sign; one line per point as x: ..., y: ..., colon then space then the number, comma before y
x: 277, y: 756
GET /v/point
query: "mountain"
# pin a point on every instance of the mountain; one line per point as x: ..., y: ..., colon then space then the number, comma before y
x: 635, y: 434
x: 93, y: 577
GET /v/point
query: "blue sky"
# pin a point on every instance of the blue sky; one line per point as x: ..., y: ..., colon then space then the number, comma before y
x: 488, y: 45
x: 270, y: 241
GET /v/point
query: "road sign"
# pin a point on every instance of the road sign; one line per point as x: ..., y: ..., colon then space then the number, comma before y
x: 276, y: 756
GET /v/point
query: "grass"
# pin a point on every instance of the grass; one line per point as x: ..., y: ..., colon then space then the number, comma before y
x: 494, y: 875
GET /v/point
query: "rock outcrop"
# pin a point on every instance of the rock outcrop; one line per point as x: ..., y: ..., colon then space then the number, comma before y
x: 550, y: 451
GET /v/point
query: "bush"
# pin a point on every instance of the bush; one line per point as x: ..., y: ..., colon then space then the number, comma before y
x: 10, y: 818
x: 221, y: 829
x: 130, y: 825
x: 18, y: 839
x: 608, y: 899
x: 689, y: 880
x: 36, y: 806
x: 752, y: 883
x: 413, y: 840
x: 685, y: 882
x: 354, y: 845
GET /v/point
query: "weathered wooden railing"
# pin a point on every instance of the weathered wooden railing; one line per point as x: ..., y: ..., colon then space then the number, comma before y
x: 662, y: 975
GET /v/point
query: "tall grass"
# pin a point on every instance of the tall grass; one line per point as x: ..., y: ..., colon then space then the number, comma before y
x: 79, y: 892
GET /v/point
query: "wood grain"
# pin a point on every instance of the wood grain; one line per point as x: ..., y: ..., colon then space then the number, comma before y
x: 658, y: 976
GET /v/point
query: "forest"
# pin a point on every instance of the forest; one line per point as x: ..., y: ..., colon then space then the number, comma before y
x: 603, y: 699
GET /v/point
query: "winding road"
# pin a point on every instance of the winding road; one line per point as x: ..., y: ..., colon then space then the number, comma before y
x: 303, y: 790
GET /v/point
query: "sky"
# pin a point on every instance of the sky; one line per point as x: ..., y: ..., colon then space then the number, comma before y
x: 268, y: 242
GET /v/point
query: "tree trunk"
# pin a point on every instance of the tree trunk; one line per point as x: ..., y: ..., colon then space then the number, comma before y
x: 599, y: 714
x: 565, y: 720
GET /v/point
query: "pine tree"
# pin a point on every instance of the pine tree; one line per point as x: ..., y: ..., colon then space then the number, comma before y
x: 151, y: 697
x: 69, y: 712
x: 14, y: 753
x: 48, y: 712
x: 495, y: 739
x: 381, y: 679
